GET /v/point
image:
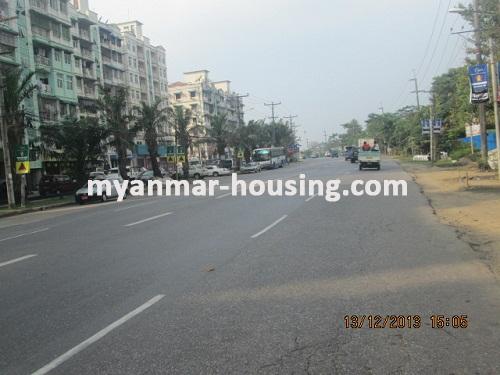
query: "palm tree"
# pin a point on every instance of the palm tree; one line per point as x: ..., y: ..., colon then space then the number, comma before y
x: 185, y: 132
x: 18, y: 86
x: 116, y: 117
x: 152, y: 119
x: 219, y: 133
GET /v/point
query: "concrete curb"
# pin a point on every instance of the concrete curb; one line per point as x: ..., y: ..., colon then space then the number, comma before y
x: 22, y: 211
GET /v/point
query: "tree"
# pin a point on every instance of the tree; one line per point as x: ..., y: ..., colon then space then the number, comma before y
x: 18, y: 86
x: 81, y: 141
x: 116, y: 117
x: 219, y: 133
x: 152, y: 120
x: 354, y: 131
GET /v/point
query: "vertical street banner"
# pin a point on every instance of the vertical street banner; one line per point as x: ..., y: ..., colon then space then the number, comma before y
x: 426, y: 127
x: 478, y: 77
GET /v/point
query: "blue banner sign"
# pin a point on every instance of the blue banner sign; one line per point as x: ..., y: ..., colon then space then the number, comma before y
x: 478, y: 77
x: 425, y: 124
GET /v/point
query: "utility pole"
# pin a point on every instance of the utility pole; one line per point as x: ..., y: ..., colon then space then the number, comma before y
x: 273, y: 117
x: 479, y: 58
x: 6, y: 156
x: 431, y: 134
x: 9, y: 182
x: 414, y: 79
x: 495, y: 102
x: 290, y: 121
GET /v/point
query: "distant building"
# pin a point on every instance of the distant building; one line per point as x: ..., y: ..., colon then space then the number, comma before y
x: 205, y: 98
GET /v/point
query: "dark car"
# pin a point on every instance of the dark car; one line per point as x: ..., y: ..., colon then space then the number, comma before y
x: 335, y: 154
x: 57, y: 184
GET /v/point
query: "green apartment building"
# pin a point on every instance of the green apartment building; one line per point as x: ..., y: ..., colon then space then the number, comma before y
x: 72, y: 55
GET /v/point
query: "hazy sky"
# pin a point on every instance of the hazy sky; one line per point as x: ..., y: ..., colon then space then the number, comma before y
x: 327, y: 61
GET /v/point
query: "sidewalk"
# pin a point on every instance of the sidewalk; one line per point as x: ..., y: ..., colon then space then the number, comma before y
x: 37, y: 205
x: 468, y: 200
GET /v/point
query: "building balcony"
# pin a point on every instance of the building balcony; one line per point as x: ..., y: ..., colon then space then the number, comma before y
x: 86, y: 54
x: 88, y: 73
x: 44, y: 89
x: 40, y: 5
x: 8, y: 39
x: 46, y: 36
x: 113, y: 64
x: 84, y: 34
x: 42, y: 62
x: 47, y: 116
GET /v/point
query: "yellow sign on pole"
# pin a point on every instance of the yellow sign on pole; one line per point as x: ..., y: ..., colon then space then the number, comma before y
x: 181, y: 158
x: 22, y: 167
x: 170, y: 159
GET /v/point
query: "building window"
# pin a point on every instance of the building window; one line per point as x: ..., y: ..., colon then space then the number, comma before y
x: 63, y: 109
x: 130, y: 61
x: 57, y: 56
x: 69, y: 82
x: 131, y: 77
x: 60, y: 79
x: 53, y: 4
x: 67, y: 58
x: 177, y: 96
x: 192, y: 94
x: 136, y: 79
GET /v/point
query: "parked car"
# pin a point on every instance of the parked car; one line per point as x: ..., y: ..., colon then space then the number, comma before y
x: 149, y: 175
x: 251, y: 167
x: 132, y: 172
x: 215, y: 171
x: 82, y: 195
x: 56, y: 184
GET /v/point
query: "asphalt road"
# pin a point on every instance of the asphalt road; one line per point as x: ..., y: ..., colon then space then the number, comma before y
x: 203, y: 288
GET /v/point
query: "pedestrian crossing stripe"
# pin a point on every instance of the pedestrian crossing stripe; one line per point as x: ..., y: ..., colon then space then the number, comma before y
x: 22, y: 167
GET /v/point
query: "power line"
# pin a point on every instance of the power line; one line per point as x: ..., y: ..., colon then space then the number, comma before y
x: 437, y: 42
x: 430, y: 38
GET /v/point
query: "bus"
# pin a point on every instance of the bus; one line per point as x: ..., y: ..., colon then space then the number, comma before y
x: 270, y: 157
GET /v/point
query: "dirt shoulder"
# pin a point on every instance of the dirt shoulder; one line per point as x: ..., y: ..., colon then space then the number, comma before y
x: 468, y: 200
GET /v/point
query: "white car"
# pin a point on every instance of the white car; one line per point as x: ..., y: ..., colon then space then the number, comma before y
x: 82, y: 195
x: 215, y: 171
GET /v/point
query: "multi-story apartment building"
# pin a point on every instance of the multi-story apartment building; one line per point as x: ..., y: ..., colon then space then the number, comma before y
x: 205, y: 99
x: 72, y: 54
x: 86, y: 57
x: 146, y: 76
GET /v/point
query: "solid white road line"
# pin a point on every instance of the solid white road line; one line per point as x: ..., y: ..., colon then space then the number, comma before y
x: 70, y: 353
x: 17, y: 260
x: 24, y: 234
x: 270, y: 226
x: 311, y: 198
x: 148, y: 219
